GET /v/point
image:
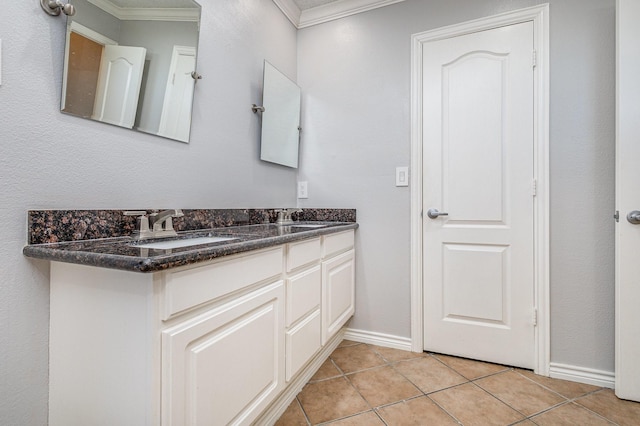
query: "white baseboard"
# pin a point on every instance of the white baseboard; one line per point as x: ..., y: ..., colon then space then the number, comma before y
x: 379, y: 339
x: 589, y: 376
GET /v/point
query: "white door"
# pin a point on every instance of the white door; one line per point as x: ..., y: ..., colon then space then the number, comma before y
x: 627, y: 201
x: 119, y: 85
x: 175, y: 122
x: 478, y: 167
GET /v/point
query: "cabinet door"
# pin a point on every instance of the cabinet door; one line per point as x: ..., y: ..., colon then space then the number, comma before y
x: 226, y: 365
x: 338, y: 293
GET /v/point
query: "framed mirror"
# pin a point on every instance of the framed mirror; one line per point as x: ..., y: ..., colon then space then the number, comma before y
x: 131, y: 63
x: 280, y: 119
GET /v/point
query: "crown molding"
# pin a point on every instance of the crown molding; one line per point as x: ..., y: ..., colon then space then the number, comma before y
x: 328, y: 12
x: 290, y: 10
x: 147, y: 13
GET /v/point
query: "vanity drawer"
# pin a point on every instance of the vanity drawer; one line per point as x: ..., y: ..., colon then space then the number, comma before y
x: 337, y: 243
x: 303, y: 294
x: 187, y: 288
x: 303, y: 252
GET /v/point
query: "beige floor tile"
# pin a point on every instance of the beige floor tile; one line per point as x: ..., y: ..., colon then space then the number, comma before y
x: 331, y: 399
x: 415, y: 412
x: 473, y: 406
x: 520, y: 393
x: 563, y: 387
x: 327, y: 370
x: 569, y: 415
x: 383, y: 385
x: 293, y: 416
x: 429, y: 374
x: 364, y: 419
x: 393, y: 355
x: 355, y: 358
x: 607, y: 404
x: 469, y: 368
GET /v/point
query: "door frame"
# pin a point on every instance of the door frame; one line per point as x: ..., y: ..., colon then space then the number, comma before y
x: 539, y: 15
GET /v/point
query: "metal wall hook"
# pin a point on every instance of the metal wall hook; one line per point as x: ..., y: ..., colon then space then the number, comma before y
x: 54, y: 7
x: 255, y: 108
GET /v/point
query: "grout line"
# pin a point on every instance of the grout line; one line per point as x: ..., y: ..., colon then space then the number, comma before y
x: 445, y: 410
x: 392, y: 364
x: 304, y: 413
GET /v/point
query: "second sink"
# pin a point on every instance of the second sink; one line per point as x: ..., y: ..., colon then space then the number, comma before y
x: 166, y: 245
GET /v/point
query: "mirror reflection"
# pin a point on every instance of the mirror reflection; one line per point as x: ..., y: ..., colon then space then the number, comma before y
x: 280, y: 118
x: 130, y: 62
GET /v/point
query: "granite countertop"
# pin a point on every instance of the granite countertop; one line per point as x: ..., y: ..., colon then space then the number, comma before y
x: 122, y: 252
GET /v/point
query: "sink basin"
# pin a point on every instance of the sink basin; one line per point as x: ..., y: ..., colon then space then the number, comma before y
x: 166, y: 245
x: 306, y: 225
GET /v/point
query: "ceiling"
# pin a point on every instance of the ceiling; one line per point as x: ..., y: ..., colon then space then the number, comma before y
x: 302, y: 13
x: 308, y: 4
x: 305, y: 13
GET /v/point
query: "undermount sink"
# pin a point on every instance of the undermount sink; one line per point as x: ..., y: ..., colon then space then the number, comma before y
x: 306, y: 225
x: 166, y: 245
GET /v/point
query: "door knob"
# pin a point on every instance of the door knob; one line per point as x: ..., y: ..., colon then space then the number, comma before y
x: 634, y: 217
x: 434, y: 213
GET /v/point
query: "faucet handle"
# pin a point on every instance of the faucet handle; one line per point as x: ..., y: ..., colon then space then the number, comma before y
x: 142, y: 222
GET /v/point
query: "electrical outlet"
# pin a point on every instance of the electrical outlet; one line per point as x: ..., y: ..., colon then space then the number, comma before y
x: 303, y: 189
x: 402, y: 176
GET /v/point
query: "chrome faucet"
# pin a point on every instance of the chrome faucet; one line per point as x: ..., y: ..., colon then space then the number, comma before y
x: 156, y: 224
x: 284, y: 216
x: 161, y: 221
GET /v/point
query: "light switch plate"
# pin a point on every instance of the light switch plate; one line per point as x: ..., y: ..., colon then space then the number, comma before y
x: 402, y: 176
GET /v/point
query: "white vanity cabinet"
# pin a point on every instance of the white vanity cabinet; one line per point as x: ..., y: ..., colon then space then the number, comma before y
x: 215, y: 343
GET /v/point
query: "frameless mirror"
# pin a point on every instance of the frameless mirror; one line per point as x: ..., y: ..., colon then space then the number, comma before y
x: 131, y: 63
x: 280, y: 118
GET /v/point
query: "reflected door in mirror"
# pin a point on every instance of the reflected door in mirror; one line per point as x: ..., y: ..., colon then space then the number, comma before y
x: 176, y: 111
x: 119, y: 85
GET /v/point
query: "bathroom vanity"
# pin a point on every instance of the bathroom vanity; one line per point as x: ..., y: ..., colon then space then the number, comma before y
x: 214, y: 334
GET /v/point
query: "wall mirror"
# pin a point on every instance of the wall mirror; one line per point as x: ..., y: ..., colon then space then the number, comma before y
x: 131, y: 63
x: 280, y: 118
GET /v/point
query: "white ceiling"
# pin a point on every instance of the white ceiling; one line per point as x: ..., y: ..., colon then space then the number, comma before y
x: 304, y: 13
x: 308, y: 4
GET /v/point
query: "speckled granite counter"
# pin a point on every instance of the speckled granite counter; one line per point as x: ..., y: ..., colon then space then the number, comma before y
x: 121, y: 252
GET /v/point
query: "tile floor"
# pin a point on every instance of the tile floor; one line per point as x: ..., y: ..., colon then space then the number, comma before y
x: 363, y: 384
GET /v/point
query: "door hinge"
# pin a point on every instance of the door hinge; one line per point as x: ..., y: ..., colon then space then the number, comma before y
x: 616, y: 216
x: 534, y: 59
x: 534, y: 187
x: 535, y: 317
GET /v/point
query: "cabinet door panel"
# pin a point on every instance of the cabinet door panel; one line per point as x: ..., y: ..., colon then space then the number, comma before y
x: 338, y: 293
x: 303, y: 341
x: 225, y: 366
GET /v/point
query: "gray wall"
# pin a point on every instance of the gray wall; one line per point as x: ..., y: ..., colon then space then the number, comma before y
x: 52, y: 160
x: 355, y: 75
